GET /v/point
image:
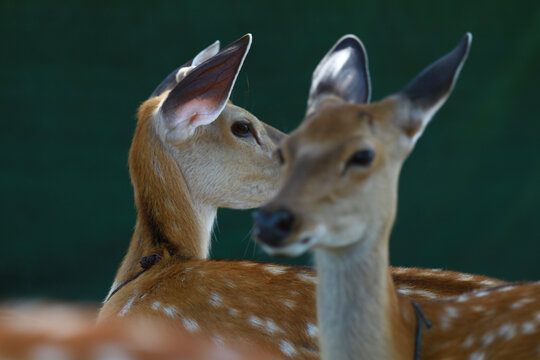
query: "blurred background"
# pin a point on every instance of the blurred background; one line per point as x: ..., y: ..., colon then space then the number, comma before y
x: 73, y: 74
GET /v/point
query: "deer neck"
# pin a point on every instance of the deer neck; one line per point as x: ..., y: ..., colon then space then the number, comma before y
x: 359, y: 312
x: 170, y: 221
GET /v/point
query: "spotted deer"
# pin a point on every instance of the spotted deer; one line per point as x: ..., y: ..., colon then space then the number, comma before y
x: 194, y: 151
x: 43, y: 331
x: 266, y: 304
x: 341, y: 170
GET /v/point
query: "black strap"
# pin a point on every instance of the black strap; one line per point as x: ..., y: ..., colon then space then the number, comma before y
x: 420, y: 319
x: 146, y: 263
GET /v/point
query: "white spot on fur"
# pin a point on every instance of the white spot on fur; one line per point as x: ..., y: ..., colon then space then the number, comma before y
x: 505, y: 288
x: 445, y: 322
x: 215, y: 299
x: 218, y: 340
x: 287, y: 348
x: 452, y: 312
x: 312, y: 330
x: 190, y: 324
x: 126, y: 307
x: 520, y: 303
x: 275, y: 269
x: 170, y: 310
x: 424, y: 293
x: 289, y: 303
x: 528, y: 327
x: 256, y: 321
x: 233, y: 311
x: 142, y: 296
x: 272, y: 327
x: 307, y: 277
x: 481, y: 294
x: 478, y: 308
x: 399, y: 270
x: 249, y: 264
x: 462, y: 298
x: 508, y: 331
x: 537, y: 316
x: 469, y: 341
x: 229, y: 284
x: 156, y: 305
x: 48, y: 352
x: 488, y: 339
x: 477, y: 356
x: 488, y: 282
x: 465, y: 278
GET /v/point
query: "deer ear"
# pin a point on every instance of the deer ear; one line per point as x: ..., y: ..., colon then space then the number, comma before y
x: 172, y: 80
x: 206, y: 54
x: 342, y: 73
x: 202, y: 95
x: 428, y: 91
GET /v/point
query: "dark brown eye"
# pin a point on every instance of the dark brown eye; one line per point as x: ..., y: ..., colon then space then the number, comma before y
x: 241, y: 129
x: 362, y: 158
x: 280, y: 157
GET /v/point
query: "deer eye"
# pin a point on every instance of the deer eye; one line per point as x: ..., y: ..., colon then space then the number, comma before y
x: 241, y: 129
x: 362, y: 158
x: 280, y: 157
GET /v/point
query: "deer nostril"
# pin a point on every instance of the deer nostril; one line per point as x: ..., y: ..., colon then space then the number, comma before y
x: 273, y: 226
x: 284, y: 220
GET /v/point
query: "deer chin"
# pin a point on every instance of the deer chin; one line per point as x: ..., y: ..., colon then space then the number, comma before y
x: 297, y: 245
x: 336, y: 240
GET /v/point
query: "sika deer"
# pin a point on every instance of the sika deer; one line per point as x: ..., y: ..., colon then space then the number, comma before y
x: 265, y: 304
x: 189, y: 157
x: 339, y: 198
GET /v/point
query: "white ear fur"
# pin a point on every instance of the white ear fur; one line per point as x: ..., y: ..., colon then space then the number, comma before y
x: 342, y: 73
x: 183, y: 72
x: 203, y: 93
x: 206, y: 54
x: 197, y: 60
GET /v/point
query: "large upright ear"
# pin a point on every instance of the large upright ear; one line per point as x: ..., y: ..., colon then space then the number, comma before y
x: 202, y: 95
x: 342, y: 73
x: 172, y: 79
x: 428, y: 91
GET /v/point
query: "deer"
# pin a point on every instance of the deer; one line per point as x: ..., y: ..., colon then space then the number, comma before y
x: 188, y: 158
x: 338, y: 199
x: 64, y: 331
x: 182, y: 172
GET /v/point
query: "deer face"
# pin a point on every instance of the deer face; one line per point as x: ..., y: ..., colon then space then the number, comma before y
x: 341, y: 167
x: 338, y: 168
x: 189, y: 127
x: 231, y: 162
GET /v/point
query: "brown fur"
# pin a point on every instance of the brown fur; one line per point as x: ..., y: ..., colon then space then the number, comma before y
x: 60, y: 331
x: 167, y: 224
x: 169, y: 204
x: 252, y: 290
x: 499, y: 322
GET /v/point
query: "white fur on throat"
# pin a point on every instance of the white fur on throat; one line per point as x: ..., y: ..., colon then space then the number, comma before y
x: 352, y: 301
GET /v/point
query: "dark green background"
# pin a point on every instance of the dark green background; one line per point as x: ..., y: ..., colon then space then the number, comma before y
x: 73, y: 73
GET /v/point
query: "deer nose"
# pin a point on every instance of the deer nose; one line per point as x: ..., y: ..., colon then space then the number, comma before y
x: 272, y: 226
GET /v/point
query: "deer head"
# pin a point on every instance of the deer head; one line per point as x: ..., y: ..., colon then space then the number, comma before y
x: 342, y: 164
